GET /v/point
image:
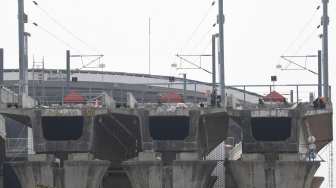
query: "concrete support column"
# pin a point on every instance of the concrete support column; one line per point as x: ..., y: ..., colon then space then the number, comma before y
x: 288, y: 171
x: 188, y: 171
x: 40, y: 168
x: 147, y: 170
x: 80, y: 171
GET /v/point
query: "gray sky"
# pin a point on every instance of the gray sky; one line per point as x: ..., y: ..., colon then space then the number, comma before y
x: 256, y: 34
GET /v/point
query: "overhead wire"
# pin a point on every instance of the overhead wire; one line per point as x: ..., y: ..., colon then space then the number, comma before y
x: 197, y: 27
x: 195, y: 48
x: 318, y: 7
x: 67, y: 44
x: 206, y: 34
x: 45, y: 30
x: 206, y: 47
x: 298, y: 36
x: 302, y: 46
x: 55, y: 21
x: 192, y: 35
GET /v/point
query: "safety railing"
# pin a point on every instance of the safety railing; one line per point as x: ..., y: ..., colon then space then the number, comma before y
x: 16, y: 146
x: 245, y: 95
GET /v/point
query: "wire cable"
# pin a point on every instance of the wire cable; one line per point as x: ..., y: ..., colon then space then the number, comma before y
x: 78, y: 51
x: 55, y: 21
x: 206, y: 47
x: 201, y: 40
x: 53, y: 35
x: 67, y: 44
x: 318, y: 7
x: 302, y: 46
x: 298, y: 36
x: 197, y: 27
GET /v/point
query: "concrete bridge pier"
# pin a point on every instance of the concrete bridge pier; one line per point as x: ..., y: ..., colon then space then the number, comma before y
x: 148, y: 170
x: 267, y: 171
x: 79, y: 171
x: 190, y: 171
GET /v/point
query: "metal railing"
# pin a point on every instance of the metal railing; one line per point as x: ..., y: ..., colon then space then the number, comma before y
x: 15, y: 146
x: 55, y: 93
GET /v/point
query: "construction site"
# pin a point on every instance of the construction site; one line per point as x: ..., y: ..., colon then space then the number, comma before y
x: 73, y: 128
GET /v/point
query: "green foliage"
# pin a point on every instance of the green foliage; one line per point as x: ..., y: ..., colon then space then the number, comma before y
x: 41, y: 185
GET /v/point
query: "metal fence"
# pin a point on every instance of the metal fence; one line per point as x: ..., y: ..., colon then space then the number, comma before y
x: 16, y: 146
x: 55, y: 93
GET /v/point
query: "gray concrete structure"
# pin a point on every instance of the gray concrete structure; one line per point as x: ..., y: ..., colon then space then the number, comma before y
x: 183, y: 135
x: 42, y: 168
x: 165, y: 139
x: 274, y: 149
x: 188, y: 170
x: 2, y: 147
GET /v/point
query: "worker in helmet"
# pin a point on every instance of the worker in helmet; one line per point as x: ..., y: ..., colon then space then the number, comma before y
x: 319, y: 103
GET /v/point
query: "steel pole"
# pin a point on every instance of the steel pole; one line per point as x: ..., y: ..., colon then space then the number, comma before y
x: 213, y: 62
x: 221, y: 48
x: 184, y: 87
x: 1, y: 66
x: 319, y: 72
x: 68, y: 70
x: 21, y: 45
x: 25, y: 63
x: 325, y: 51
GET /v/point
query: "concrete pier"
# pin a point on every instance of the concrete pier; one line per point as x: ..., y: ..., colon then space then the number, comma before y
x: 274, y: 149
x: 254, y: 171
x: 42, y: 168
x: 147, y: 170
x: 114, y: 135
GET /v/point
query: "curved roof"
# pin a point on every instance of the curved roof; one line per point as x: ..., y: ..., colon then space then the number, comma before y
x: 108, y: 79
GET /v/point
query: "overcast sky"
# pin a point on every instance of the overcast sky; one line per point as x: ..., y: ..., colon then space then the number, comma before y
x: 256, y: 34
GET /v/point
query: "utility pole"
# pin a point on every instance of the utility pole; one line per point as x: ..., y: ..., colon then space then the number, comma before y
x: 319, y: 71
x: 21, y: 19
x: 68, y: 70
x: 1, y: 66
x: 325, y: 22
x: 221, y: 49
x: 149, y: 55
x: 214, y: 61
x: 25, y: 64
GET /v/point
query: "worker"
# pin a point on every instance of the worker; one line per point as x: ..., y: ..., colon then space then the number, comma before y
x: 319, y: 102
x: 213, y: 97
x: 219, y: 100
x: 261, y: 101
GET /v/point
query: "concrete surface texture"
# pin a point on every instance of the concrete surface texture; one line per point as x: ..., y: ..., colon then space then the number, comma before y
x: 148, y: 171
x: 274, y: 150
x: 116, y: 135
x: 283, y: 174
x: 72, y: 173
x: 164, y: 146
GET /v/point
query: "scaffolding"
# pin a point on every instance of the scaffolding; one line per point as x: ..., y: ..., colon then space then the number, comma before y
x: 38, y: 81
